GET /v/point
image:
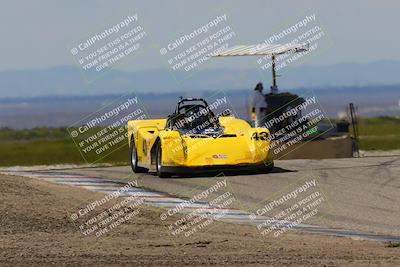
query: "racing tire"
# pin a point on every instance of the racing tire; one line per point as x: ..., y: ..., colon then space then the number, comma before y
x: 160, y: 172
x: 269, y: 166
x: 134, y: 159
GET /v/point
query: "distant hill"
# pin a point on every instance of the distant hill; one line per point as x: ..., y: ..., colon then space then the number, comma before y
x: 55, y: 111
x: 68, y: 80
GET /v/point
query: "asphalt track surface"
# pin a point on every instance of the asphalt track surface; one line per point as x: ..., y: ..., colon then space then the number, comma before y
x: 361, y: 195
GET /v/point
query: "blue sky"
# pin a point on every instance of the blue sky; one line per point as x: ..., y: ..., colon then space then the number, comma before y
x: 36, y: 34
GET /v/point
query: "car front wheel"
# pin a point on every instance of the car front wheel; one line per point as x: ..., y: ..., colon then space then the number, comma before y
x: 159, y: 167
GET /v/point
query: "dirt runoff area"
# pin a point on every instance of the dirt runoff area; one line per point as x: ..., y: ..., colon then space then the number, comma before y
x: 36, y: 230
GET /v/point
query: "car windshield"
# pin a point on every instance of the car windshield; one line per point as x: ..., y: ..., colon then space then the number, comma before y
x: 194, y: 119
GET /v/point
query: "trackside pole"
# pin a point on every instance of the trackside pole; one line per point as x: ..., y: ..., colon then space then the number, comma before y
x: 354, y: 123
x: 273, y: 71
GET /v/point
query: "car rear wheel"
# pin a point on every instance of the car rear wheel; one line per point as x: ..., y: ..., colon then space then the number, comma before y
x: 134, y: 159
x: 159, y: 167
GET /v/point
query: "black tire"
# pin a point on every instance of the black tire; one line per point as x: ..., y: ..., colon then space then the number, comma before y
x: 134, y: 160
x: 269, y: 166
x: 160, y: 172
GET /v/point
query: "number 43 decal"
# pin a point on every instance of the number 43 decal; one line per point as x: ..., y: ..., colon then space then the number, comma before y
x: 263, y: 136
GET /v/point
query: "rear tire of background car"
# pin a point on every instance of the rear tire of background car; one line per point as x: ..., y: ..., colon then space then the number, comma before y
x: 134, y: 159
x: 159, y: 167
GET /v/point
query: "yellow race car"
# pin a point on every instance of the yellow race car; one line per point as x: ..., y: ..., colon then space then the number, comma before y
x: 193, y: 138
